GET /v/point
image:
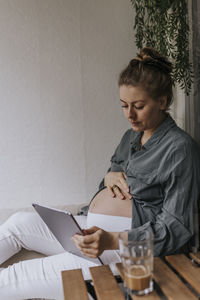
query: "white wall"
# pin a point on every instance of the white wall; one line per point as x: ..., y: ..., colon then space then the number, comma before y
x: 60, y: 117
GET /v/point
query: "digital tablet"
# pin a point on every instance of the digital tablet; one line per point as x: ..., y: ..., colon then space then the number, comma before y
x: 63, y: 226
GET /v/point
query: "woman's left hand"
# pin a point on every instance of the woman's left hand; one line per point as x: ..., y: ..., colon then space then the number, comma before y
x: 95, y: 241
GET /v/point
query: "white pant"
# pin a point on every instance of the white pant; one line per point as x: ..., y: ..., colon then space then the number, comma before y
x: 38, y: 278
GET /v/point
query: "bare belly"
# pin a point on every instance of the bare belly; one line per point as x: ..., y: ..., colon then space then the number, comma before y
x: 104, y: 204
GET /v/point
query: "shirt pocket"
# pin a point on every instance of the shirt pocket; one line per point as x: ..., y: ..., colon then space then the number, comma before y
x: 144, y: 176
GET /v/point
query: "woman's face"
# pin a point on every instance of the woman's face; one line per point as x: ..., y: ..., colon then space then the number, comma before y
x: 144, y: 113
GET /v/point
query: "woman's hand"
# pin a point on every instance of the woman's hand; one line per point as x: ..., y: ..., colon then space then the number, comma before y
x: 117, y: 185
x: 95, y: 241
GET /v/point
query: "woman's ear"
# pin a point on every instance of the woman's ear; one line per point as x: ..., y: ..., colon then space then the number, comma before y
x: 163, y: 102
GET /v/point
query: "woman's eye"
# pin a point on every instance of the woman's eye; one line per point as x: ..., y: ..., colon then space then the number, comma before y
x: 140, y: 107
x: 124, y: 106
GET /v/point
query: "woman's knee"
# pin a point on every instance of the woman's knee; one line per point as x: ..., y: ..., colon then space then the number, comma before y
x: 21, y: 218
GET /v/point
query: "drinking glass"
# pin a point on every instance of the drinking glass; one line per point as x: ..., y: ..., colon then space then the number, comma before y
x: 137, y: 262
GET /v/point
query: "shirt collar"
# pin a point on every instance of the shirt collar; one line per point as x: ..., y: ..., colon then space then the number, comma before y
x: 162, y: 129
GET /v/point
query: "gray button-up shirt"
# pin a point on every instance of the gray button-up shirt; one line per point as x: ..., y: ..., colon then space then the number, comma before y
x: 164, y: 179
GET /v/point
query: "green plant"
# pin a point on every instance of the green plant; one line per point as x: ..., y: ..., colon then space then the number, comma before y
x: 163, y: 25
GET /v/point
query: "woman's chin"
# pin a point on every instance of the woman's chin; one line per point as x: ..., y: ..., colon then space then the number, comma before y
x: 136, y: 128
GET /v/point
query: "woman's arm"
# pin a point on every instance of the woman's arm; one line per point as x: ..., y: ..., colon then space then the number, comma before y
x: 96, y: 240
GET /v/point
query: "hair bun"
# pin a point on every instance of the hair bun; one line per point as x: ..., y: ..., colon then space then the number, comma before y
x: 151, y: 57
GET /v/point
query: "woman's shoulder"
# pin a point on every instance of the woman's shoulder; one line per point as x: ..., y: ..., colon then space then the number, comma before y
x: 182, y: 142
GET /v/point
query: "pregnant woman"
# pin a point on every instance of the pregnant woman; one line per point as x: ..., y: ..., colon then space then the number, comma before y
x: 153, y: 183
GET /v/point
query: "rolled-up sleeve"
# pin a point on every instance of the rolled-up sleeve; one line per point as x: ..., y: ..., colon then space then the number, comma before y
x: 120, y: 157
x: 173, y: 227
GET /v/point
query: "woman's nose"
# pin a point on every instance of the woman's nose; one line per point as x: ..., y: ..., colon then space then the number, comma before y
x: 131, y: 113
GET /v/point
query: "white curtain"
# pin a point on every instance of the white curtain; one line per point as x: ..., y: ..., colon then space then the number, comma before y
x: 192, y: 103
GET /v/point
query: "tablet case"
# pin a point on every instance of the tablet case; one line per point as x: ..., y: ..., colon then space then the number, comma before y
x: 63, y: 226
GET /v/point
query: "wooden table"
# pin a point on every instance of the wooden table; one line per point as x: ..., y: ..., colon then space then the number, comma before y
x: 177, y: 277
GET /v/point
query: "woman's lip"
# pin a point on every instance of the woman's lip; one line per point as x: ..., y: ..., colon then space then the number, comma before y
x: 134, y: 123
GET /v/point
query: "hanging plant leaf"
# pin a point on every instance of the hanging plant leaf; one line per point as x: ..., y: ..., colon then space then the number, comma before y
x: 163, y: 25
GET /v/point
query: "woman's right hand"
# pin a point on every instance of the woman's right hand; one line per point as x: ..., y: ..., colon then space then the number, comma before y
x: 117, y: 185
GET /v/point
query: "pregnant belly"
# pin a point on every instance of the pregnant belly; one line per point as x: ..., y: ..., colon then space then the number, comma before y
x: 104, y: 204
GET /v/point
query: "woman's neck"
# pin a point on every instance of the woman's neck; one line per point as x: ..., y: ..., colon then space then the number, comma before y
x: 148, y: 133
